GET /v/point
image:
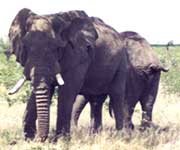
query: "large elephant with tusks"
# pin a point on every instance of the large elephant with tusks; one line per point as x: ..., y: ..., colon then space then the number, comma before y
x: 72, y: 51
x: 144, y: 70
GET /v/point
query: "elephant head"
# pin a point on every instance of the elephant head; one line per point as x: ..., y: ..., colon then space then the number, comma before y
x: 33, y: 43
x: 147, y: 61
x: 74, y: 29
x: 40, y: 43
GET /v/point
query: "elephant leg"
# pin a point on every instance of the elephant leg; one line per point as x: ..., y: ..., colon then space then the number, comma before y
x: 29, y: 119
x: 66, y: 99
x: 96, y: 104
x: 130, y: 123
x: 78, y: 106
x: 131, y: 107
x: 119, y: 104
x: 30, y: 116
x: 66, y: 96
x: 148, y: 101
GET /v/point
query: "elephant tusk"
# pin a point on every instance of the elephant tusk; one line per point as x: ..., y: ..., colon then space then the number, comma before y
x: 18, y: 85
x: 59, y: 79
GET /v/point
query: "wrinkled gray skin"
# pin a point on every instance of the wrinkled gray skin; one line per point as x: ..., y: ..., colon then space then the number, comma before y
x: 88, y: 54
x: 142, y: 84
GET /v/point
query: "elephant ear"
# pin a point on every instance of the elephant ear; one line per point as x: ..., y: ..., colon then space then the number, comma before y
x: 16, y: 33
x: 81, y: 34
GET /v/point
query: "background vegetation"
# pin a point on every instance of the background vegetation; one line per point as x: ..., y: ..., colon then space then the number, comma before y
x: 10, y: 73
x: 166, y: 114
x: 171, y: 59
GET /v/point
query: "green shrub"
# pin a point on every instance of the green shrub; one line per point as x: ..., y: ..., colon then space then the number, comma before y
x: 10, y: 73
x: 171, y: 79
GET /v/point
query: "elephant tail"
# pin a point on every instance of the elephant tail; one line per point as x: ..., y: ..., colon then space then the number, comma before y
x: 110, y: 109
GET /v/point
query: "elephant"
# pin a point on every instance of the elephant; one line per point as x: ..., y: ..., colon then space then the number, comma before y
x: 141, y: 84
x: 96, y: 103
x: 74, y: 52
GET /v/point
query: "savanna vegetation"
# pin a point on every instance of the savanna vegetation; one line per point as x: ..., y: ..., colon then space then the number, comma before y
x: 166, y: 114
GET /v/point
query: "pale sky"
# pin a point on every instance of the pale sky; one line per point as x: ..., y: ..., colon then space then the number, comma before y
x: 157, y: 20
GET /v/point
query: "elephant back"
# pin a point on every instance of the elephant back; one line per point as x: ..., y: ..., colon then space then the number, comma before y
x: 142, y: 56
x: 62, y: 20
x: 107, y: 35
x: 71, y: 15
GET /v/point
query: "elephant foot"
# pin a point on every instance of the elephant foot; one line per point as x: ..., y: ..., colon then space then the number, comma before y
x: 93, y: 131
x: 64, y: 137
x: 127, y: 130
x: 29, y: 132
x: 148, y: 124
x: 129, y: 125
x: 41, y: 139
x: 29, y: 137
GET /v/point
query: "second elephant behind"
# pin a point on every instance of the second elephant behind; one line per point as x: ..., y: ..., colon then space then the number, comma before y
x: 142, y: 84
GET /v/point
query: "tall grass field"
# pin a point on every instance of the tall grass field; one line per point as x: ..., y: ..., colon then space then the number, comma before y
x: 166, y: 115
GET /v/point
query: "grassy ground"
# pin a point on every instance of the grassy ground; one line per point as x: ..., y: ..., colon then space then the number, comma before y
x: 167, y: 137
x: 166, y: 115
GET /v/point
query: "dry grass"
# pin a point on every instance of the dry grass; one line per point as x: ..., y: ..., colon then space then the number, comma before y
x: 166, y: 115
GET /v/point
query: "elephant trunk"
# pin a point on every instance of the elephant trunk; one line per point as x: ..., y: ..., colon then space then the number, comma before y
x: 41, y: 81
x: 42, y: 96
x: 42, y: 103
